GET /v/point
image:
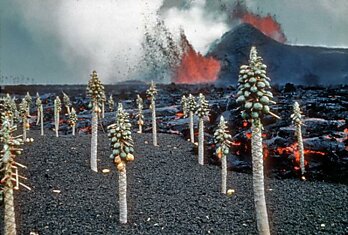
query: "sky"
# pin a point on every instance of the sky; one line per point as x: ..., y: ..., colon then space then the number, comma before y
x: 62, y: 41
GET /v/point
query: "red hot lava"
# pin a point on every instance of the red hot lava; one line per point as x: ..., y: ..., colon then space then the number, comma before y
x: 194, y: 67
x: 266, y: 24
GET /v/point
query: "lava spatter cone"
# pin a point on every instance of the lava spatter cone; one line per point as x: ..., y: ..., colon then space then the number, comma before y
x: 202, y: 112
x: 222, y: 139
x: 66, y: 102
x: 95, y: 91
x: 9, y: 172
x: 297, y: 121
x: 57, y: 109
x: 151, y: 95
x: 122, y: 147
x: 191, y: 109
x: 39, y: 108
x: 73, y: 120
x: 254, y: 98
x: 23, y: 110
x: 139, y: 115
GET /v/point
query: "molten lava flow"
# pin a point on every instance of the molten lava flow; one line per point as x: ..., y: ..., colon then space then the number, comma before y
x: 265, y: 151
x: 266, y: 24
x: 179, y: 115
x: 194, y: 67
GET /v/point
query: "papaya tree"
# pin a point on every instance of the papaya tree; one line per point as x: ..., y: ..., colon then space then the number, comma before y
x: 14, y: 110
x: 23, y: 109
x: 66, y: 102
x: 73, y: 120
x: 202, y: 112
x: 191, y: 108
x: 111, y: 104
x: 122, y: 147
x: 95, y: 90
x: 28, y: 98
x: 297, y: 121
x: 39, y: 108
x: 57, y: 109
x: 9, y: 171
x: 139, y: 115
x: 222, y: 139
x: 254, y: 97
x: 151, y: 93
x: 183, y: 103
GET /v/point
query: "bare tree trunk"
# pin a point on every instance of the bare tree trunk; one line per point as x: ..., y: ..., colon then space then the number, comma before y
x: 300, y: 148
x: 154, y: 127
x: 94, y: 141
x: 10, y: 221
x: 73, y: 129
x: 258, y: 179
x: 68, y: 109
x: 140, y: 128
x: 38, y: 116
x: 41, y: 120
x: 103, y: 110
x: 24, y: 121
x: 57, y: 124
x: 192, y: 134
x: 201, y: 142
x: 122, y: 188
x: 223, y: 174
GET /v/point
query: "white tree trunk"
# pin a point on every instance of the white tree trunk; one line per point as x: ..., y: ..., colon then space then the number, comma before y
x: 103, y: 110
x: 140, y: 128
x: 154, y: 127
x: 73, y: 129
x: 24, y: 121
x: 258, y: 179
x: 122, y: 188
x: 201, y: 142
x: 300, y: 148
x: 94, y: 141
x: 223, y: 174
x: 38, y: 116
x: 41, y: 120
x: 68, y: 109
x: 9, y: 218
x: 57, y: 124
x: 192, y: 134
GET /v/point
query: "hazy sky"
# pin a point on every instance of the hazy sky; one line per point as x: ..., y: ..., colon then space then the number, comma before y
x: 62, y: 41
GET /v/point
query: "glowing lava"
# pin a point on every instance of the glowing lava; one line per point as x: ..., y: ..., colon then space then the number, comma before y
x: 194, y: 67
x: 266, y: 24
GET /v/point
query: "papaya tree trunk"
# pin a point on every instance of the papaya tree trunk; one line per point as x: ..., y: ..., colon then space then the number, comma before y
x: 94, y: 141
x: 68, y: 109
x: 154, y: 127
x: 201, y: 142
x: 9, y: 218
x: 103, y: 110
x: 140, y: 128
x: 122, y: 188
x: 223, y: 174
x: 24, y: 122
x: 192, y: 135
x: 57, y: 124
x: 258, y: 179
x: 41, y: 120
x: 38, y: 116
x: 300, y: 148
x: 73, y: 129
